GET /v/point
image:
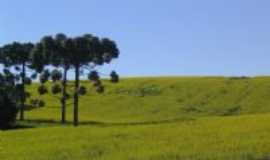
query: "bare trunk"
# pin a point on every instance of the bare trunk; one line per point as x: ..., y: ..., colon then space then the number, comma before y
x: 23, y: 93
x: 76, y: 95
x: 64, y: 94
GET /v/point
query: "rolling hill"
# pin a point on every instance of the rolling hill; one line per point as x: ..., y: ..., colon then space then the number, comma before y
x: 162, y: 118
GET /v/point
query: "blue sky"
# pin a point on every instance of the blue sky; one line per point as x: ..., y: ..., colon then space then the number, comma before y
x: 156, y: 37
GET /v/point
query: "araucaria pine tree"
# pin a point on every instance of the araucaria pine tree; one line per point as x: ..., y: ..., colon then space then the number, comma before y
x: 17, y: 56
x: 54, y: 51
x: 76, y: 54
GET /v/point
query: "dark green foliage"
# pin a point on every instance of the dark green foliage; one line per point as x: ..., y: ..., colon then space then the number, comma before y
x: 42, y: 90
x: 27, y: 81
x: 17, y: 68
x: 6, y: 71
x: 79, y: 52
x: 38, y: 57
x: 22, y: 74
x: 10, y: 78
x: 36, y: 103
x: 56, y: 75
x: 96, y: 83
x: 100, y: 89
x: 56, y: 88
x: 27, y: 94
x: 89, y: 51
x: 43, y: 79
x: 44, y: 76
x: 17, y: 55
x: 67, y: 96
x: 8, y: 98
x: 18, y: 88
x: 82, y: 90
x: 114, y: 77
x: 110, y: 50
x: 34, y: 76
x: 8, y: 110
x: 20, y: 93
x: 17, y: 78
x: 93, y: 76
x: 7, y: 79
x: 46, y: 73
x: 41, y: 103
x: 54, y: 51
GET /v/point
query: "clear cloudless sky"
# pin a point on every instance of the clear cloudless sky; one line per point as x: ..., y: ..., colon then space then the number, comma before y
x: 155, y: 37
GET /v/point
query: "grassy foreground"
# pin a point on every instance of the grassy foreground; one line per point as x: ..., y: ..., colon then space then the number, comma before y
x: 240, y: 137
x: 153, y: 119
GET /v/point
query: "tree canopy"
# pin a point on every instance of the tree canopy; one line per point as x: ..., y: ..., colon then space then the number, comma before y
x: 17, y: 55
x: 63, y: 53
x: 77, y: 53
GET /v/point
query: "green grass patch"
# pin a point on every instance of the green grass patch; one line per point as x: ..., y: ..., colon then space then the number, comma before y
x: 169, y: 118
x: 236, y: 137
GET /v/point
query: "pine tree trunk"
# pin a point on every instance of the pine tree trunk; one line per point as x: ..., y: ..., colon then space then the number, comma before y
x: 23, y: 93
x: 64, y: 96
x: 76, y: 95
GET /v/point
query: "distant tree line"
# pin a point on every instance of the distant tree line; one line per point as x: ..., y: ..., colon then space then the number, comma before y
x: 23, y: 62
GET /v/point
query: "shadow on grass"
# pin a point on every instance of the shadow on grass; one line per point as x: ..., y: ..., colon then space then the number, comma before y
x: 38, y: 122
x: 16, y: 127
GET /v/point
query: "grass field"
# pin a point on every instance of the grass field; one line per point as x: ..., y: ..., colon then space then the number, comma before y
x: 173, y: 118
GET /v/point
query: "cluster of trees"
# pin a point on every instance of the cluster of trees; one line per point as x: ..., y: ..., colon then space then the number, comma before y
x: 81, y: 54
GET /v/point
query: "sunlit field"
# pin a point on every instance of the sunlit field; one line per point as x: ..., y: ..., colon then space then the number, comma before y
x: 169, y: 118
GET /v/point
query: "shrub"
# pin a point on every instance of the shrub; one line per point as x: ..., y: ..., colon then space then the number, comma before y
x: 93, y: 76
x: 42, y: 90
x: 28, y: 81
x: 37, y: 103
x: 56, y: 89
x: 114, y: 77
x: 82, y: 90
x: 56, y: 75
x: 100, y: 89
x: 8, y: 111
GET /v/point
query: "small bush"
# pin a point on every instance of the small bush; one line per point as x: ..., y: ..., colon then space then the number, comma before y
x: 56, y: 89
x: 42, y: 90
x: 37, y: 103
x: 56, y: 75
x: 28, y: 81
x: 93, y: 76
x: 82, y: 90
x: 8, y: 111
x: 100, y: 89
x: 41, y: 103
x: 114, y: 77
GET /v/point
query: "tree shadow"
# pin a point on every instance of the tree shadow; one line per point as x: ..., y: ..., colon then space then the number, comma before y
x: 17, y: 127
x: 36, y: 122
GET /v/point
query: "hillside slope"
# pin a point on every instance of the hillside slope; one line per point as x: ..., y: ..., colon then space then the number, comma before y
x: 195, y: 118
x: 167, y: 98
